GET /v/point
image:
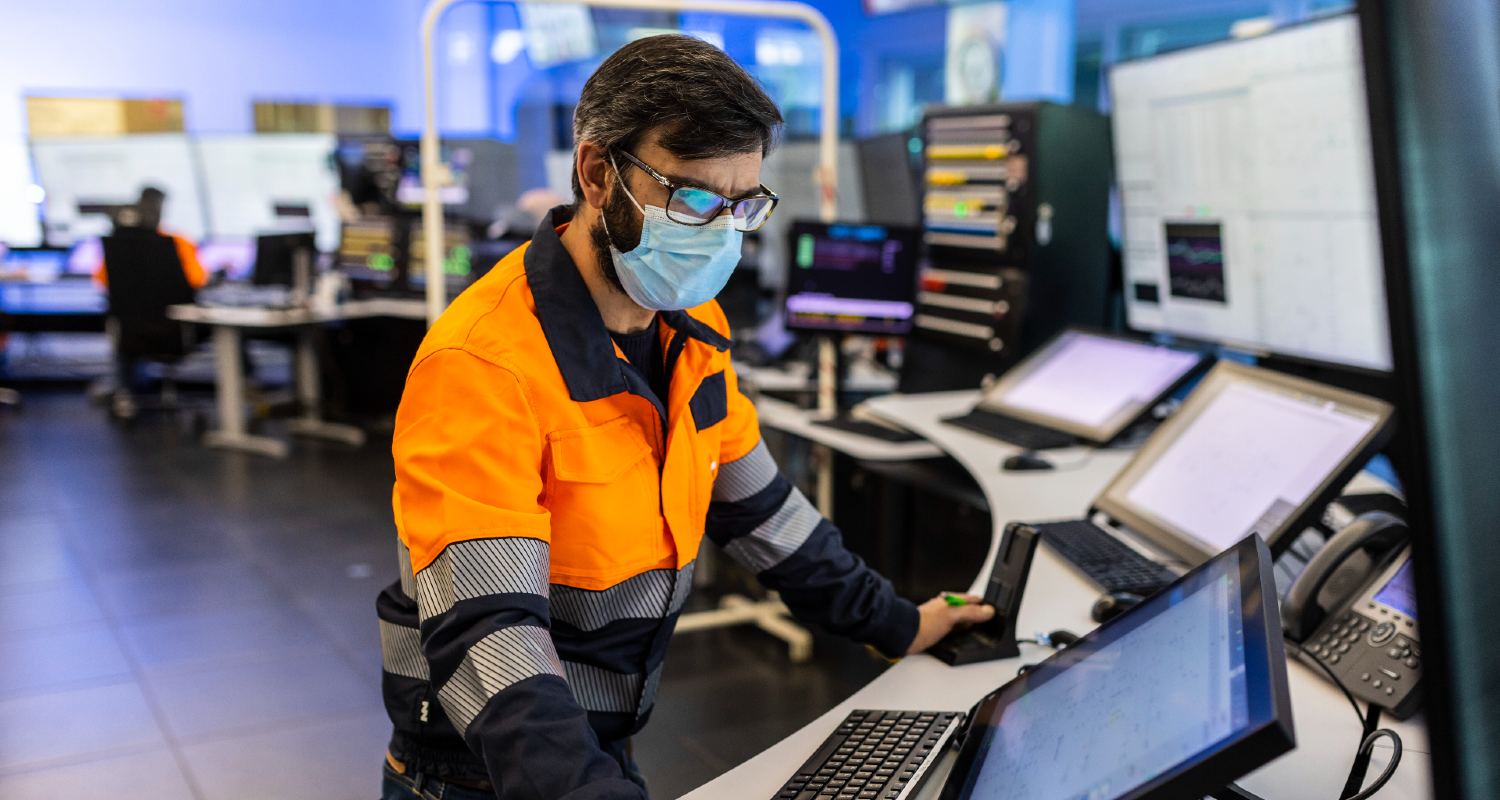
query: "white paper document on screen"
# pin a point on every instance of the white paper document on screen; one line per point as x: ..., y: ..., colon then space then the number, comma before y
x: 1088, y: 379
x: 1251, y: 454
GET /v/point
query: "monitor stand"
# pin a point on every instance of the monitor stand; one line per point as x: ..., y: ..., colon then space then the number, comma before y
x: 836, y: 413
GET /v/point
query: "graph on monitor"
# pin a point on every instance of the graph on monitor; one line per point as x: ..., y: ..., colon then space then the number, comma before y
x: 1247, y: 193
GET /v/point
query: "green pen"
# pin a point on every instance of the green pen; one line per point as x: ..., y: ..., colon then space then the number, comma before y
x: 954, y: 600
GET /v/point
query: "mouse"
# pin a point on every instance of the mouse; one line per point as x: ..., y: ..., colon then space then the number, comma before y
x: 1027, y: 461
x: 1112, y: 605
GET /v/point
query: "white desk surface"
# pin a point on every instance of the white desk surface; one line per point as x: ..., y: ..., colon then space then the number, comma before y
x: 798, y: 376
x: 250, y: 317
x: 1059, y: 597
x: 788, y: 418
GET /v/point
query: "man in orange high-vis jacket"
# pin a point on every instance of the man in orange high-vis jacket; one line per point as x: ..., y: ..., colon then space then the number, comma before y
x: 571, y: 429
x: 149, y: 209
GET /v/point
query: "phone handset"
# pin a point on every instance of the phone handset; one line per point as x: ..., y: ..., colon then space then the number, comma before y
x: 1339, y: 570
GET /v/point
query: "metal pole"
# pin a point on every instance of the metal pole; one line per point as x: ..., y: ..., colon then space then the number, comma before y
x: 434, y: 175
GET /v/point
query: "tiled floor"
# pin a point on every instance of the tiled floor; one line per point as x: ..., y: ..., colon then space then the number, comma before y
x: 186, y: 623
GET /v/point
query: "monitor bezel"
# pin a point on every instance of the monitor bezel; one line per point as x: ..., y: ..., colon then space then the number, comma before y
x: 1096, y: 434
x: 801, y: 226
x: 1253, y: 747
x: 1183, y: 545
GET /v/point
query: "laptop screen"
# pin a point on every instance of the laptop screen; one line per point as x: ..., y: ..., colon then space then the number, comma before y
x: 1251, y: 451
x: 1195, y: 673
x: 1088, y: 384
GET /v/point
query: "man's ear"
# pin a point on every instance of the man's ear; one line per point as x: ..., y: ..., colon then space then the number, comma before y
x: 595, y: 175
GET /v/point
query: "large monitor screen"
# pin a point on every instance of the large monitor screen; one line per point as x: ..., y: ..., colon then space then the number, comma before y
x: 1089, y: 384
x: 271, y: 183
x: 84, y: 175
x: 1250, y: 451
x: 1187, y: 689
x: 20, y: 224
x: 1247, y: 190
x: 852, y: 278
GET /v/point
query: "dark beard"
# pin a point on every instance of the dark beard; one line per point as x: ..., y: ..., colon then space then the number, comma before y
x: 621, y: 218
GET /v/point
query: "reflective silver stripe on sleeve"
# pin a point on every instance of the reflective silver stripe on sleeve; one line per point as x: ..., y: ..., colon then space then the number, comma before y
x: 403, y: 563
x: 743, y: 477
x: 653, y: 684
x: 598, y: 689
x: 401, y: 651
x: 480, y: 567
x: 503, y: 658
x: 778, y: 537
x: 683, y: 588
x: 645, y: 596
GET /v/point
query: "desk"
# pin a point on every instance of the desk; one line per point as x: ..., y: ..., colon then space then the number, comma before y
x: 228, y: 326
x: 1057, y: 596
x: 788, y: 418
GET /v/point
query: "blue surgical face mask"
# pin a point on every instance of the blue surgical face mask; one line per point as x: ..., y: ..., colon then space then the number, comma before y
x: 676, y: 266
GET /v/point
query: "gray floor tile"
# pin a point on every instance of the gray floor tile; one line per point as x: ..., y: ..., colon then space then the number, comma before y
x: 164, y: 591
x: 307, y: 685
x: 149, y: 775
x: 53, y: 604
x: 50, y: 729
x: 335, y: 760
x: 208, y: 637
x: 32, y: 550
x: 39, y: 661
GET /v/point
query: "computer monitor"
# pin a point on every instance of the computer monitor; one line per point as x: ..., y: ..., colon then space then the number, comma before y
x: 1247, y: 190
x: 458, y: 257
x: 367, y: 253
x: 1249, y: 451
x: 888, y: 179
x: 1179, y: 697
x: 848, y: 278
x: 20, y: 224
x: 79, y: 173
x: 1088, y: 384
x: 275, y: 258
x: 271, y: 183
x: 230, y: 257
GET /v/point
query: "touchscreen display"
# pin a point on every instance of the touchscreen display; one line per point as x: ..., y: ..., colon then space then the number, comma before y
x: 1400, y: 593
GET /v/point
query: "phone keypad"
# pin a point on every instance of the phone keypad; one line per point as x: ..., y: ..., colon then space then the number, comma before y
x: 1372, y: 657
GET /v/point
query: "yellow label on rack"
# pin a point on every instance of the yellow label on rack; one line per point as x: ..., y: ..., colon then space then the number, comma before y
x: 965, y: 152
x: 942, y: 178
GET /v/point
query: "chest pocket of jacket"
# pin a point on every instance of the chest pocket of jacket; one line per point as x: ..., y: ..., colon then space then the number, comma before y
x: 604, y: 494
x: 710, y: 403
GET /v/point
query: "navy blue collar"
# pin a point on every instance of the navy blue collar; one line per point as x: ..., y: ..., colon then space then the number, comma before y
x: 580, y: 343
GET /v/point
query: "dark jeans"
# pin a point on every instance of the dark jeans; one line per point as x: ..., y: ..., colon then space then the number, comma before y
x: 416, y: 786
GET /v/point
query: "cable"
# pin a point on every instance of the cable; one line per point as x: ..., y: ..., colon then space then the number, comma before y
x: 1336, y: 682
x: 1366, y: 748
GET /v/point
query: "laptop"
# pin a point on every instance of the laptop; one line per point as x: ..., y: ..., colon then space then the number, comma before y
x: 1081, y: 386
x: 1250, y: 451
x: 1178, y: 697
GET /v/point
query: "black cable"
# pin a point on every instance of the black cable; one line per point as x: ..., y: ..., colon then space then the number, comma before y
x: 1361, y: 766
x: 1336, y: 682
x: 1366, y: 748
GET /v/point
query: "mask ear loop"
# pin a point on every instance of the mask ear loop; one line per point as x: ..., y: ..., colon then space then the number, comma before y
x: 621, y: 178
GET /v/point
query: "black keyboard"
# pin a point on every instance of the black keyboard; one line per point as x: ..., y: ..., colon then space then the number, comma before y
x: 1015, y: 431
x: 1104, y: 559
x: 867, y: 428
x: 874, y: 755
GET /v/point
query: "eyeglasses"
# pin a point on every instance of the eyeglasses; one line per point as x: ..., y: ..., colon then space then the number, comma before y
x: 693, y: 205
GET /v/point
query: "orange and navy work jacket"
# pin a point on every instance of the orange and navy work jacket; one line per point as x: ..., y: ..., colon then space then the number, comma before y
x: 550, y: 509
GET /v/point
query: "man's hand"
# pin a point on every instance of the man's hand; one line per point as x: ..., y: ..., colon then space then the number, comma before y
x: 938, y: 618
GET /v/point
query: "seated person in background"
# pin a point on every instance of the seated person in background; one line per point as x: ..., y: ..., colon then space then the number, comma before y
x: 147, y: 214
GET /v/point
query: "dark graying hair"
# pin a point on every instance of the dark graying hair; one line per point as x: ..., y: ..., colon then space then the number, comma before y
x: 703, y: 104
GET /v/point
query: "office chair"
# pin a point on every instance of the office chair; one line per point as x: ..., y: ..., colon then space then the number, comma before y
x: 145, y: 277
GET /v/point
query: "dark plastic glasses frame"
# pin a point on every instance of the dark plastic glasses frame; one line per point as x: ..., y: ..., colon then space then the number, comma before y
x: 739, y: 209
